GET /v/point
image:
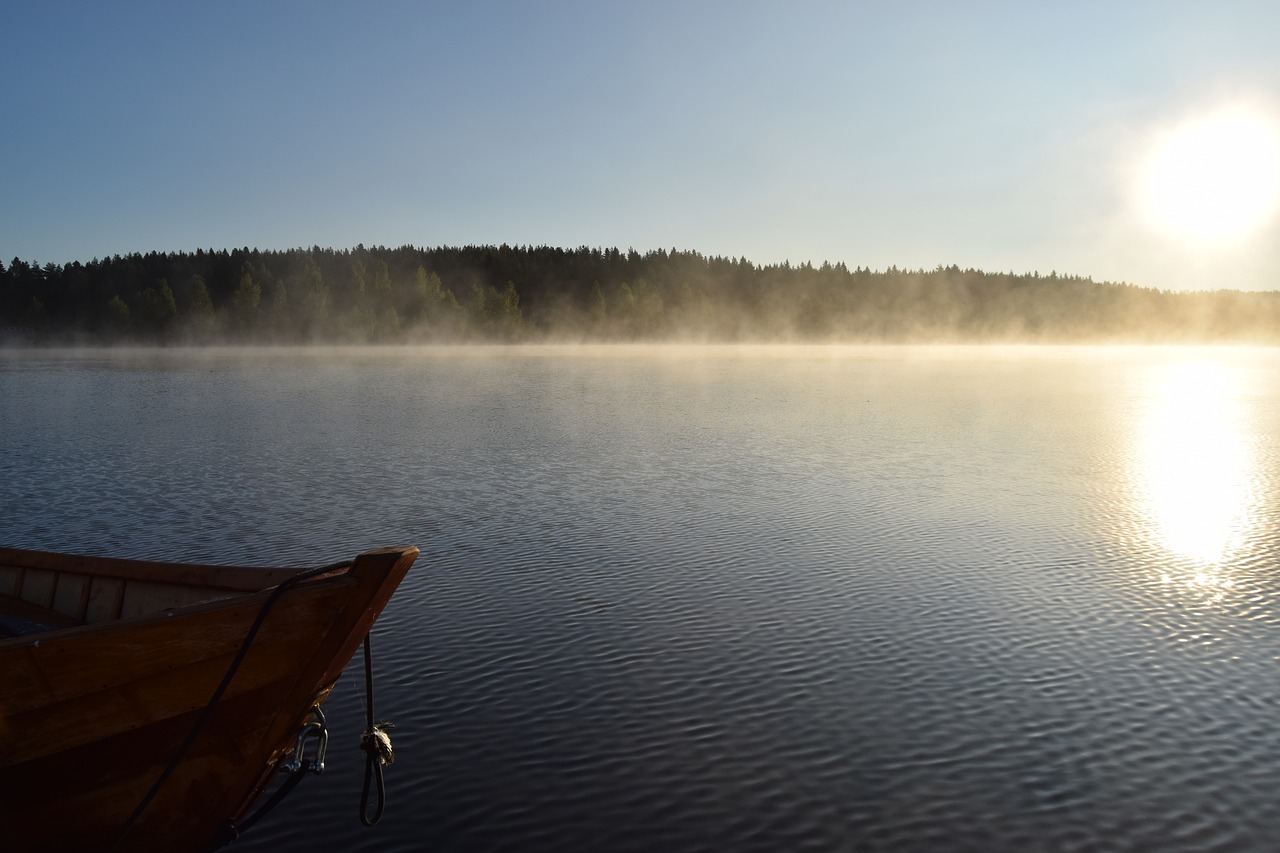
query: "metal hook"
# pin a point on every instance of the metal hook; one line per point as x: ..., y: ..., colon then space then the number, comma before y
x: 312, y: 728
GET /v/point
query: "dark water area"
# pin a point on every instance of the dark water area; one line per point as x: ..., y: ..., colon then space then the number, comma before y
x: 817, y: 598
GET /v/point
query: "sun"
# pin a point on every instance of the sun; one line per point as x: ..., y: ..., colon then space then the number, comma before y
x: 1214, y: 179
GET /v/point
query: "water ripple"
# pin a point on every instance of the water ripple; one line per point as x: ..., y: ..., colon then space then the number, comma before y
x: 866, y: 599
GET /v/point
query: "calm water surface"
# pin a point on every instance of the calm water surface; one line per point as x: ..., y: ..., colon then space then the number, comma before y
x: 727, y: 598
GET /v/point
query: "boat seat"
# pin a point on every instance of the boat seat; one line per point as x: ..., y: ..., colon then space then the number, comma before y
x: 18, y: 618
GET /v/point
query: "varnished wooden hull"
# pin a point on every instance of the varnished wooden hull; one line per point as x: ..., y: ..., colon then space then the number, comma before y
x: 90, y: 715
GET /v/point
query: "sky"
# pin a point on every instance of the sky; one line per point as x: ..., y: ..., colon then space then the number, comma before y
x: 1003, y: 136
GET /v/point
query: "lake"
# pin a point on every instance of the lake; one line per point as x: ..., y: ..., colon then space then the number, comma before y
x: 729, y: 598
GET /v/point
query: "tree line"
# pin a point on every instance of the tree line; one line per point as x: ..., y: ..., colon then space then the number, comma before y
x: 504, y: 293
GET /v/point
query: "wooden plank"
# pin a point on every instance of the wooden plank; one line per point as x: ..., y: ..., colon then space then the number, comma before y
x: 143, y: 702
x: 37, y: 587
x: 143, y: 597
x: 106, y: 596
x: 71, y: 595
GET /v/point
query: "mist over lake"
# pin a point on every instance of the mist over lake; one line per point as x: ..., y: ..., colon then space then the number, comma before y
x: 718, y: 597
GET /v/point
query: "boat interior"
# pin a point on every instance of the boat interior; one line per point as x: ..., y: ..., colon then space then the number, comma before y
x: 42, y: 592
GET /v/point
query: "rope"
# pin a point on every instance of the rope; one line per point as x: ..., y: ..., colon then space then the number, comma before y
x: 231, y: 830
x: 376, y: 745
x: 207, y: 713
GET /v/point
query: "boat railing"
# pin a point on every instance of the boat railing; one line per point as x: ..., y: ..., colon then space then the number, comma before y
x: 42, y: 591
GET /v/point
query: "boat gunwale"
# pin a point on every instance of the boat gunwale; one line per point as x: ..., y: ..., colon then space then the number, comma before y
x: 253, y: 598
x: 214, y: 576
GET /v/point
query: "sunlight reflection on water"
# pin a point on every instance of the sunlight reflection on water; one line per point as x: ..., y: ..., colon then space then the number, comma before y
x: 1196, y: 473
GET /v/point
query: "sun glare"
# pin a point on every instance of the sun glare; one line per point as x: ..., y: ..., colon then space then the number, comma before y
x: 1197, y: 465
x: 1214, y: 179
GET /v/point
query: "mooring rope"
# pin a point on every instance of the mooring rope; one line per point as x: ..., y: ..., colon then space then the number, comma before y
x: 376, y: 744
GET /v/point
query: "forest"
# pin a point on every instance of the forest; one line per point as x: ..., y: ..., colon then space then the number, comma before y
x: 546, y: 294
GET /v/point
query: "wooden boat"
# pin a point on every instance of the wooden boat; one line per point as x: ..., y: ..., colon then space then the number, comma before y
x: 108, y: 666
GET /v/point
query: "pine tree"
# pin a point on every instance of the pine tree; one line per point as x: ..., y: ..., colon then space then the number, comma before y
x: 245, y: 302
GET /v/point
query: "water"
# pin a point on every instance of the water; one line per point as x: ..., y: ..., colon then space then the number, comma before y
x: 725, y: 598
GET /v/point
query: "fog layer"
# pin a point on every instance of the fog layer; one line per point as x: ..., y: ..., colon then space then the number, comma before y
x: 505, y: 294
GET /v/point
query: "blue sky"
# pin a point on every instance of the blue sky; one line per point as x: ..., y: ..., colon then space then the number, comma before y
x: 1003, y: 136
